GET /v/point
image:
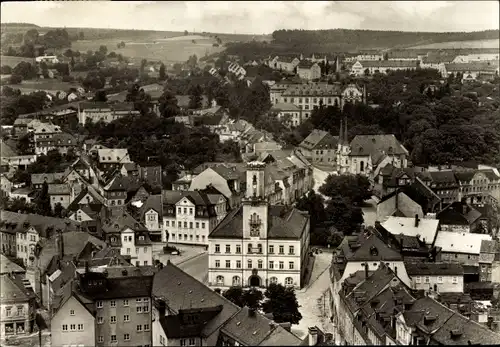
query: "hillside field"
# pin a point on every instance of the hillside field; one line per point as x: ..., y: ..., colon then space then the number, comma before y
x: 461, y: 44
x: 13, y: 61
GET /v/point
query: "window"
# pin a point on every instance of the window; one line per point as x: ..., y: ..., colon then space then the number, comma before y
x: 113, y: 303
x: 126, y: 337
x: 80, y: 327
x: 418, y: 279
x: 236, y: 281
x: 113, y: 338
x: 139, y: 328
x: 100, y: 320
x: 113, y: 319
x: 185, y: 210
x: 271, y: 264
x: 274, y: 280
x: 288, y: 281
x: 238, y: 264
x: 220, y: 280
x: 183, y: 342
x: 99, y: 304
x: 427, y: 279
x: 197, y: 225
x: 249, y: 263
x: 146, y: 327
x: 271, y: 249
x: 146, y: 309
x: 191, y: 341
x: 71, y: 312
x: 72, y: 327
x: 217, y: 248
x: 259, y: 264
x: 282, y: 249
x: 228, y: 264
x: 185, y: 224
x: 190, y: 210
x: 281, y: 265
x: 65, y: 327
x: 190, y: 225
x: 228, y: 248
x: 100, y: 339
x: 291, y: 250
x: 138, y: 300
x: 126, y: 318
x: 167, y: 223
x: 217, y: 263
x: 455, y: 279
x: 238, y: 249
x: 139, y: 309
x: 290, y: 265
x: 203, y: 225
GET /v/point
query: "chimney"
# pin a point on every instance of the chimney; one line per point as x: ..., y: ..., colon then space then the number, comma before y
x: 366, y: 270
x: 251, y: 312
x: 162, y: 307
x: 313, y: 336
x: 417, y: 220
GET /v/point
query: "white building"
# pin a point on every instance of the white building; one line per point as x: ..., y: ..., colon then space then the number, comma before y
x: 259, y: 244
x: 436, y: 277
x: 425, y: 229
x: 47, y: 59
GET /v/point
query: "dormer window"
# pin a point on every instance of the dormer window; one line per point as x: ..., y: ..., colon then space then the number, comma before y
x: 141, y: 238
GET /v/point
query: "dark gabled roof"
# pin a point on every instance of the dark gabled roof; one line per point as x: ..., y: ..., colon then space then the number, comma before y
x: 425, y: 308
x: 174, y: 328
x: 458, y: 330
x: 66, y: 292
x: 458, y: 213
x: 152, y: 202
x: 171, y: 197
x: 371, y: 248
x: 442, y: 176
x: 319, y: 139
x: 44, y: 225
x: 282, y: 224
x: 419, y: 193
x: 13, y: 288
x: 120, y: 222
x: 434, y: 269
x: 257, y: 331
x: 374, y: 145
x: 125, y: 287
x: 182, y: 291
x: 305, y: 64
x: 51, y: 177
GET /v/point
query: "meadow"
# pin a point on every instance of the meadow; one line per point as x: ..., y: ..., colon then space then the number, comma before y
x: 51, y: 86
x: 167, y: 50
x: 492, y: 43
x: 13, y: 61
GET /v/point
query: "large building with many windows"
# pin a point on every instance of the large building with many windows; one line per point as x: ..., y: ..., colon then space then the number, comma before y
x: 259, y: 244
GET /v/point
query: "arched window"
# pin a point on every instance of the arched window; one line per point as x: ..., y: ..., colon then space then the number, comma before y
x: 250, y: 248
x: 259, y: 246
x: 249, y: 263
x: 220, y: 280
x: 361, y: 166
x: 254, y: 180
x: 236, y: 281
x: 289, y: 281
x: 273, y: 280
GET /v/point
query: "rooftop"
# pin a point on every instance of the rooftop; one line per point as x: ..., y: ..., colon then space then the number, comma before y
x: 426, y: 228
x: 453, y: 242
x: 434, y: 269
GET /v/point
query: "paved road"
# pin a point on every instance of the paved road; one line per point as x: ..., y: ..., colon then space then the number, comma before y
x: 197, y: 267
x: 370, y: 212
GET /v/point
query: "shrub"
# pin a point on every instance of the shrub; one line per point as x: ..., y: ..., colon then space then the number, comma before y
x: 16, y: 79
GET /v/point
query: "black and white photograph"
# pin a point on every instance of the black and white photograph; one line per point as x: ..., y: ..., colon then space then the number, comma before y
x: 249, y: 173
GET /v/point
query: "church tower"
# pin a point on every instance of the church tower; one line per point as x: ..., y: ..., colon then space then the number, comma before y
x: 343, y: 149
x: 255, y: 205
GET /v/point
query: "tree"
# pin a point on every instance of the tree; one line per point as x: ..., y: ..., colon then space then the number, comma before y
x: 186, y: 33
x: 162, y: 72
x: 344, y: 216
x: 168, y: 104
x: 144, y: 62
x: 355, y: 188
x: 195, y: 97
x: 31, y: 37
x: 15, y: 79
x: 58, y: 210
x: 6, y: 70
x: 100, y: 96
x: 251, y: 297
x: 282, y: 303
x: 26, y: 70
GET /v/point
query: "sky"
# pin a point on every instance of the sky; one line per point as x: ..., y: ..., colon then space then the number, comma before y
x: 258, y: 17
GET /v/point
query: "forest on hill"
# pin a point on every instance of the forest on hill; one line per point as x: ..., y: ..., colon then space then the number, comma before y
x: 354, y: 40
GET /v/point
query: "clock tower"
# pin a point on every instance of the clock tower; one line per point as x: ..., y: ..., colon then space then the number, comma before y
x: 255, y: 205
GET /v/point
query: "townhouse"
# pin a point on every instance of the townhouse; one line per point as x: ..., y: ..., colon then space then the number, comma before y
x: 368, y: 151
x: 17, y: 306
x: 114, y: 307
x: 64, y: 143
x: 320, y: 147
x: 487, y: 260
x: 473, y: 71
x: 187, y: 216
x: 258, y: 243
x: 308, y: 70
x: 180, y: 301
x: 436, y: 278
x: 287, y: 64
x: 131, y: 237
x: 436, y: 63
x: 426, y: 229
x: 464, y: 248
x: 360, y: 68
x: 311, y: 95
x: 378, y: 309
x: 62, y: 194
x: 104, y: 112
x: 288, y: 113
x: 443, y: 183
x: 459, y: 217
